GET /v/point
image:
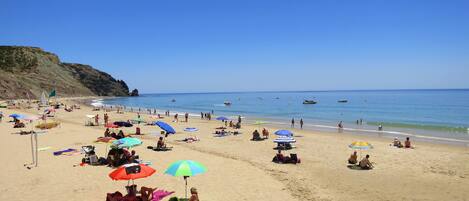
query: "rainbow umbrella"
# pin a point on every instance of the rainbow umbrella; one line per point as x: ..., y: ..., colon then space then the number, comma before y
x: 185, y: 168
x: 360, y: 145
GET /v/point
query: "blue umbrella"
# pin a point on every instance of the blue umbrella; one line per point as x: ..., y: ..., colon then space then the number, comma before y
x: 17, y: 116
x: 191, y: 129
x: 222, y: 118
x: 166, y: 127
x: 284, y: 133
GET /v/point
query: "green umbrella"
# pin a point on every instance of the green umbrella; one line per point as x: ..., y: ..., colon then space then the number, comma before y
x: 185, y: 168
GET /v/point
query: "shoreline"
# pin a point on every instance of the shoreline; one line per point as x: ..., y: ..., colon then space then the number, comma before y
x: 324, y: 126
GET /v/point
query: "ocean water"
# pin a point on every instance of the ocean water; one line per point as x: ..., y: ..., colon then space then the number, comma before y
x: 426, y: 114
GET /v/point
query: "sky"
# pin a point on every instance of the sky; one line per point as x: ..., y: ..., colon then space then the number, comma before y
x: 161, y: 46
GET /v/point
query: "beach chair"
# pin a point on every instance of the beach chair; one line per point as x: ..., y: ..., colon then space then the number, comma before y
x: 89, y: 152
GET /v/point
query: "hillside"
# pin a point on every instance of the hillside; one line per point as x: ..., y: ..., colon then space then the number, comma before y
x: 27, y: 71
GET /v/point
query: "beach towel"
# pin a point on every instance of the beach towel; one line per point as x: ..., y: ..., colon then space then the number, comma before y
x: 44, y: 148
x: 63, y: 152
x: 160, y: 194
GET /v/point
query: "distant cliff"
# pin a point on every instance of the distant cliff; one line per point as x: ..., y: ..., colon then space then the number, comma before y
x: 27, y: 71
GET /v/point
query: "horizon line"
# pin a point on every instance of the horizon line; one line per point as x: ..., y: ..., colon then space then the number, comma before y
x: 287, y: 91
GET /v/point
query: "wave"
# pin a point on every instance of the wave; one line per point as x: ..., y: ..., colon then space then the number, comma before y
x: 453, y: 129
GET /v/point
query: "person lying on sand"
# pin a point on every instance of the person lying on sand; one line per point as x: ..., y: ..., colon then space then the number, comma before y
x: 353, y: 158
x: 191, y: 139
x: 365, y: 163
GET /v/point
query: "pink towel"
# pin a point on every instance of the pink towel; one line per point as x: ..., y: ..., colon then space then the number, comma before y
x: 160, y: 194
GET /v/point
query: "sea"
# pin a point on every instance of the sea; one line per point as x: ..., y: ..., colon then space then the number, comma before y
x: 428, y: 115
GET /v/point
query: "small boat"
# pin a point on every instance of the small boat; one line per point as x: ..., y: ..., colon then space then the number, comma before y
x: 342, y: 101
x: 227, y: 103
x: 309, y: 102
x: 174, y: 100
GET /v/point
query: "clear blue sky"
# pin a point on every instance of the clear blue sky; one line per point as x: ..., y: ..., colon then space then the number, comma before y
x: 237, y: 45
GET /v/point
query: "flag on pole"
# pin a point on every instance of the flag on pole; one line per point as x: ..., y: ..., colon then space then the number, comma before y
x: 52, y: 93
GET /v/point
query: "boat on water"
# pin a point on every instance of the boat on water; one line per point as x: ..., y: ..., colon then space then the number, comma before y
x: 343, y: 101
x: 227, y: 103
x: 174, y: 100
x: 309, y: 102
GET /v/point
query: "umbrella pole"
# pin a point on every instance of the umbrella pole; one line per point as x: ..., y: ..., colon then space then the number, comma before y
x: 185, y: 179
x: 32, y: 149
x: 35, y: 136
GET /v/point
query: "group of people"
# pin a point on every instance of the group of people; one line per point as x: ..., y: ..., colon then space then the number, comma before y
x: 207, y: 116
x: 119, y: 135
x: 256, y: 136
x: 364, y: 163
x: 293, y: 123
x: 280, y: 158
x: 397, y: 143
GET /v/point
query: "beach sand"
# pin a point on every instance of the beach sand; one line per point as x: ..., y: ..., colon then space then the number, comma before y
x: 238, y: 169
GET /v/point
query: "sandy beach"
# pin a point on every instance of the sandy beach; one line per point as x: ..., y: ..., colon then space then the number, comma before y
x: 238, y: 169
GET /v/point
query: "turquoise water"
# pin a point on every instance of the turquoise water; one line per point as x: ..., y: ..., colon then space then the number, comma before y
x: 434, y: 113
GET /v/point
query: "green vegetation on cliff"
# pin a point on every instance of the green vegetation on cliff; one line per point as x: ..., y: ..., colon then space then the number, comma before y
x: 27, y: 71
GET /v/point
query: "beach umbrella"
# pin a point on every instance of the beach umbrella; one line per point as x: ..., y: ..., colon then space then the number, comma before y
x: 285, y: 140
x: 191, y: 129
x: 17, y: 116
x: 360, y: 145
x: 127, y: 142
x: 166, y: 127
x: 222, y: 118
x: 131, y: 171
x: 284, y: 133
x: 186, y: 169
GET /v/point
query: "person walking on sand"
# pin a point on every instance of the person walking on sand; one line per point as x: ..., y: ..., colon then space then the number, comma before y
x: 186, y: 116
x: 301, y: 123
x: 239, y: 119
x: 96, y: 119
x: 176, y: 118
x: 293, y: 122
x: 201, y: 115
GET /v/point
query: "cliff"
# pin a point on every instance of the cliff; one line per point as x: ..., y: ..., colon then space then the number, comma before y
x: 27, y: 71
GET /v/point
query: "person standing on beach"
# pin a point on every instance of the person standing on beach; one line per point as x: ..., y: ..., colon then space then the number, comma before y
x: 186, y: 116
x: 340, y: 126
x: 293, y: 122
x: 239, y: 119
x: 301, y: 123
x: 201, y: 115
x: 1, y: 117
x: 176, y: 118
x: 106, y: 118
x: 96, y: 119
